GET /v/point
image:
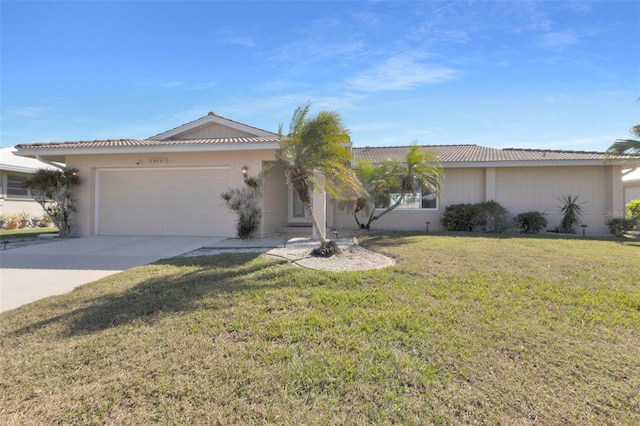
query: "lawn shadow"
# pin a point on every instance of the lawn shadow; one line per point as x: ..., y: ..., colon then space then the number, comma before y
x: 213, y: 276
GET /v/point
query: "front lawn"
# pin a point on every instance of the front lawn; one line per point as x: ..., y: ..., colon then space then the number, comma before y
x: 25, y: 233
x: 464, y: 330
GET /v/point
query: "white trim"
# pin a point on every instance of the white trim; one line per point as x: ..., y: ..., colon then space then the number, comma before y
x: 96, y: 207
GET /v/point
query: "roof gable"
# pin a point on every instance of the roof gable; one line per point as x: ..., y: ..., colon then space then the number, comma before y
x: 211, y: 126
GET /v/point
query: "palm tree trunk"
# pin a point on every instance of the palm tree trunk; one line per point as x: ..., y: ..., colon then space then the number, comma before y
x: 314, y: 222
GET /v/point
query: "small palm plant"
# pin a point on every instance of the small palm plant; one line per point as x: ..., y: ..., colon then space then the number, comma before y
x: 244, y: 202
x: 571, y: 213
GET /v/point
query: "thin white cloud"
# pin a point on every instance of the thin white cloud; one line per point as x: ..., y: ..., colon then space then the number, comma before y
x: 401, y: 72
x: 28, y: 111
x: 202, y: 86
x: 557, y: 40
x: 178, y: 84
x: 557, y: 98
x: 243, y: 41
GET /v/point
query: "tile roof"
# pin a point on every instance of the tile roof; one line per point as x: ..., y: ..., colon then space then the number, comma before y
x: 475, y: 153
x: 124, y: 143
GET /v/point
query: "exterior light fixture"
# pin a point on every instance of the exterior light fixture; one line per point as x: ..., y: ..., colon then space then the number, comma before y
x: 427, y: 223
x: 584, y: 228
x: 245, y: 171
x: 335, y: 233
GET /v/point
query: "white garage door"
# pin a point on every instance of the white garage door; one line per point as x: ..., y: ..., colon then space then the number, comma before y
x: 163, y: 201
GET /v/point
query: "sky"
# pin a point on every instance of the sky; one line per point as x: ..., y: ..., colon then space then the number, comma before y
x: 538, y: 75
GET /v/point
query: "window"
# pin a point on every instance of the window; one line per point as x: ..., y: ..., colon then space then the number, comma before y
x: 15, y: 186
x: 420, y: 200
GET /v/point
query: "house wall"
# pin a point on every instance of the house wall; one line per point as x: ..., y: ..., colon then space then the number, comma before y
x: 519, y: 189
x: 10, y: 204
x: 631, y: 191
x: 460, y: 185
x: 599, y: 188
x: 212, y: 130
x: 87, y: 165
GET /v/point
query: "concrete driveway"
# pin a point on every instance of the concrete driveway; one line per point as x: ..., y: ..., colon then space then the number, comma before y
x: 37, y: 271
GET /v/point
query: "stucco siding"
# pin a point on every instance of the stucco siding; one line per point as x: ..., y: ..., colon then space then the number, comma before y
x: 518, y: 189
x: 89, y: 167
x: 460, y: 185
x: 539, y: 188
x: 212, y: 130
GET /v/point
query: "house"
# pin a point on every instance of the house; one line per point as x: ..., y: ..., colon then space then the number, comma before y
x: 631, y: 184
x: 170, y: 184
x: 14, y: 171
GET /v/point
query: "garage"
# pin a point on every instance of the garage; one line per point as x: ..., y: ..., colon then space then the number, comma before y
x: 162, y: 201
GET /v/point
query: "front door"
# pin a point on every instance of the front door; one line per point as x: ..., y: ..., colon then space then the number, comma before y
x: 297, y: 210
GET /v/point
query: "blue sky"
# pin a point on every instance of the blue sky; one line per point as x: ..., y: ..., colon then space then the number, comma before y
x: 557, y: 75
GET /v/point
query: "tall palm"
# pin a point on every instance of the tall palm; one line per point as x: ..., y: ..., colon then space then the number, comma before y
x: 627, y: 146
x: 315, y: 155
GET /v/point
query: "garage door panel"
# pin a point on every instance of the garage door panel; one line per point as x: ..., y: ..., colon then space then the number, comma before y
x: 181, y: 201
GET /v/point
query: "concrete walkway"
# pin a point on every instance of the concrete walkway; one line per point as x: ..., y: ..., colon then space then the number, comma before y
x: 37, y: 271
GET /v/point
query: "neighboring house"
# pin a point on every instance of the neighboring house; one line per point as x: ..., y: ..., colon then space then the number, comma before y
x: 631, y: 184
x: 170, y: 184
x: 14, y: 171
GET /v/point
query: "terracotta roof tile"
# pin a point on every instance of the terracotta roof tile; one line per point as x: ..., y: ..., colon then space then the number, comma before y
x: 474, y: 153
x: 123, y: 143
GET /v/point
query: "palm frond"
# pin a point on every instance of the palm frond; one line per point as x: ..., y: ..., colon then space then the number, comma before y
x: 625, y: 147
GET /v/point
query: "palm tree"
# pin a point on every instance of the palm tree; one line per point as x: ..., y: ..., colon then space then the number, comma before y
x: 390, y: 182
x: 627, y: 146
x: 316, y: 155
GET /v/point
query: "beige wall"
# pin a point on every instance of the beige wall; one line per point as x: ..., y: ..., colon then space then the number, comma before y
x: 631, y: 191
x: 538, y: 188
x: 519, y: 190
x: 87, y: 166
x: 212, y: 130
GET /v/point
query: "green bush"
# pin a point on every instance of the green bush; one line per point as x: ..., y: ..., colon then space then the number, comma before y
x: 459, y: 217
x: 488, y: 216
x: 633, y: 212
x: 619, y: 225
x: 530, y: 222
x: 491, y: 216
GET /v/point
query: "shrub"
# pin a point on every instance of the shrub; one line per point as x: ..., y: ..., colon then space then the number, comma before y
x: 54, y: 191
x: 619, y: 225
x: 490, y: 216
x: 571, y: 213
x: 530, y: 222
x: 459, y: 217
x: 244, y: 202
x: 633, y: 212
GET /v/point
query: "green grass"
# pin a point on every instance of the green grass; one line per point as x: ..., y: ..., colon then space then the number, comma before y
x: 464, y: 330
x: 13, y: 234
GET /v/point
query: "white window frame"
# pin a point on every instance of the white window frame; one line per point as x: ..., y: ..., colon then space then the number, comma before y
x: 8, y: 188
x: 405, y: 207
